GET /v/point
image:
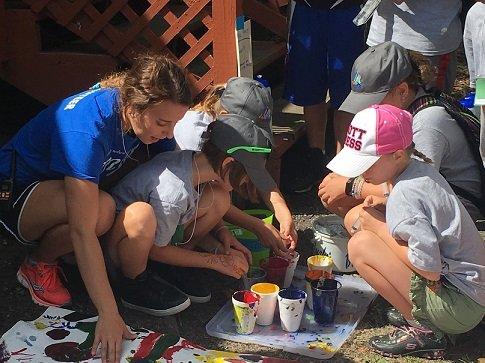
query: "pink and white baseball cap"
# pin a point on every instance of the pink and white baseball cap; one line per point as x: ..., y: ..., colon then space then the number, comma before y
x: 375, y: 131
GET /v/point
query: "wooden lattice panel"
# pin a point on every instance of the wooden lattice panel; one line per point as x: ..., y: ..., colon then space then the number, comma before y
x: 183, y: 29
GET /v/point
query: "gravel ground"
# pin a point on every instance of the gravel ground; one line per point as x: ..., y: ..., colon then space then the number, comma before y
x: 17, y: 305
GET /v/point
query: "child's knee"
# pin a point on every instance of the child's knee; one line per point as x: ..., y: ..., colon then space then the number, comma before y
x: 351, y: 217
x: 106, y: 213
x: 358, y: 246
x: 140, y: 221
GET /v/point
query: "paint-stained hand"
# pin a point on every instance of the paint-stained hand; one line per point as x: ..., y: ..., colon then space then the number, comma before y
x: 233, y: 264
x: 109, y: 335
x: 230, y: 242
x: 332, y: 188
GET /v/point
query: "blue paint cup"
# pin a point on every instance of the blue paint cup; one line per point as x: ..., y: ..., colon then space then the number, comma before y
x: 325, y: 296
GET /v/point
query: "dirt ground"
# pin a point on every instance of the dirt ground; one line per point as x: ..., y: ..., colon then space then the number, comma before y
x: 15, y: 302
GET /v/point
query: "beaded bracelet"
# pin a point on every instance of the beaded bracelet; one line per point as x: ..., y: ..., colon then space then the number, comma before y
x: 357, y: 187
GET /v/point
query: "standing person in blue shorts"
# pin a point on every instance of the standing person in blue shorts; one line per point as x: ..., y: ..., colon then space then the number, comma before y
x: 322, y: 46
x: 55, y: 163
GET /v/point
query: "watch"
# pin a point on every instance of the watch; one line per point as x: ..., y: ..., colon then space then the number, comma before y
x: 348, y: 186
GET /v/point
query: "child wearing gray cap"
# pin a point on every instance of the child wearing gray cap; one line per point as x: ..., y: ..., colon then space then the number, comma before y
x: 175, y: 203
x: 249, y: 98
x: 388, y: 74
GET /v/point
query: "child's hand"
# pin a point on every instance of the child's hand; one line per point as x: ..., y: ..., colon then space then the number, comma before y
x: 233, y: 264
x: 230, y: 242
x: 332, y: 188
x: 288, y: 233
x: 374, y: 201
x: 271, y: 238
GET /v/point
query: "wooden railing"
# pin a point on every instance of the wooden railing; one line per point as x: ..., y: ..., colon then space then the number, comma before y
x: 123, y: 28
x: 198, y: 33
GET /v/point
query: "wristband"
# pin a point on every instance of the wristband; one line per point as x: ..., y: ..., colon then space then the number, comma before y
x: 348, y: 186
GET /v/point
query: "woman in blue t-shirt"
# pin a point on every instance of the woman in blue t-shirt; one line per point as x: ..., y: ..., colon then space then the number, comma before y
x: 55, y: 163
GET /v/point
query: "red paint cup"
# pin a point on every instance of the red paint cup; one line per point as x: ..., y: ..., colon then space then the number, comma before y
x: 275, y: 268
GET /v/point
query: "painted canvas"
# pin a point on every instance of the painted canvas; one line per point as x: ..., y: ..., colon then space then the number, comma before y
x: 61, y: 335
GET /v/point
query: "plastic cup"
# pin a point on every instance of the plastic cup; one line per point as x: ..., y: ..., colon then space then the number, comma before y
x: 268, y: 293
x: 291, y: 303
x: 311, y: 276
x: 290, y: 271
x: 245, y: 304
x: 320, y: 262
x: 275, y: 268
x: 325, y: 295
x: 254, y: 275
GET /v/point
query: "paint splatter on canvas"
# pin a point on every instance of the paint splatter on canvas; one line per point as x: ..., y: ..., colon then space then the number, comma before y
x: 61, y: 335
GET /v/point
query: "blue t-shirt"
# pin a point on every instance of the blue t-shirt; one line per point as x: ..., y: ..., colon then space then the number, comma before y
x: 79, y: 136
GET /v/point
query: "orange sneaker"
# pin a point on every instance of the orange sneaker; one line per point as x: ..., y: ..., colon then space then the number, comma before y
x: 44, y: 284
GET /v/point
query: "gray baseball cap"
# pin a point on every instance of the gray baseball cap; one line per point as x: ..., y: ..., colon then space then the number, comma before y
x: 376, y: 71
x: 249, y: 142
x: 249, y: 98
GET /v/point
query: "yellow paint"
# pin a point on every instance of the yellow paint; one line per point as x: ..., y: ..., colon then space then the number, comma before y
x: 265, y: 288
x: 216, y: 356
x: 320, y: 262
x: 321, y: 345
x: 40, y: 325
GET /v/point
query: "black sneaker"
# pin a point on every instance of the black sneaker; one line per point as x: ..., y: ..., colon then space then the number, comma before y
x: 394, y: 317
x: 315, y: 170
x: 146, y: 294
x: 185, y: 279
x: 409, y: 340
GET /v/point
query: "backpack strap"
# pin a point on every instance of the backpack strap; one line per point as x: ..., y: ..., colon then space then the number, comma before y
x: 470, y: 126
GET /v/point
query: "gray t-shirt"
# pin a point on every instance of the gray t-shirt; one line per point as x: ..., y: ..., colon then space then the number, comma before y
x: 430, y: 27
x: 189, y: 131
x: 474, y: 42
x: 165, y: 182
x: 423, y: 211
x: 437, y: 135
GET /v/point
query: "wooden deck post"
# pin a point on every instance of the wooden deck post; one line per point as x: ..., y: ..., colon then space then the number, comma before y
x: 224, y: 46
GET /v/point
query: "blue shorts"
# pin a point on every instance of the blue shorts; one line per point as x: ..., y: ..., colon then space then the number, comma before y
x: 322, y: 47
x: 10, y: 219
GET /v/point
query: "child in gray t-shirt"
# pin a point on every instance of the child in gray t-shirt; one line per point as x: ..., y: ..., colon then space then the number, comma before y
x: 186, y: 191
x: 419, y: 249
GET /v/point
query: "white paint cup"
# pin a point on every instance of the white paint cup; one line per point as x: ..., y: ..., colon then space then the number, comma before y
x: 267, y: 305
x: 291, y: 303
x: 290, y: 271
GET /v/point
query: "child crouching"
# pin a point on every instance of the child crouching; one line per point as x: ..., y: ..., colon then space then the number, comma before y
x: 174, y: 203
x: 420, y: 250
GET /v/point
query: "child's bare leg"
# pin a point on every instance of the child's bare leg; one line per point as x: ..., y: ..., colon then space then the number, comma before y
x: 131, y: 238
x: 343, y: 205
x: 351, y: 218
x: 213, y: 205
x: 382, y: 269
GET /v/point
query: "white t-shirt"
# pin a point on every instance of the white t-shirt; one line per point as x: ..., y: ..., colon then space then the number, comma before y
x: 189, y: 131
x: 430, y: 27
